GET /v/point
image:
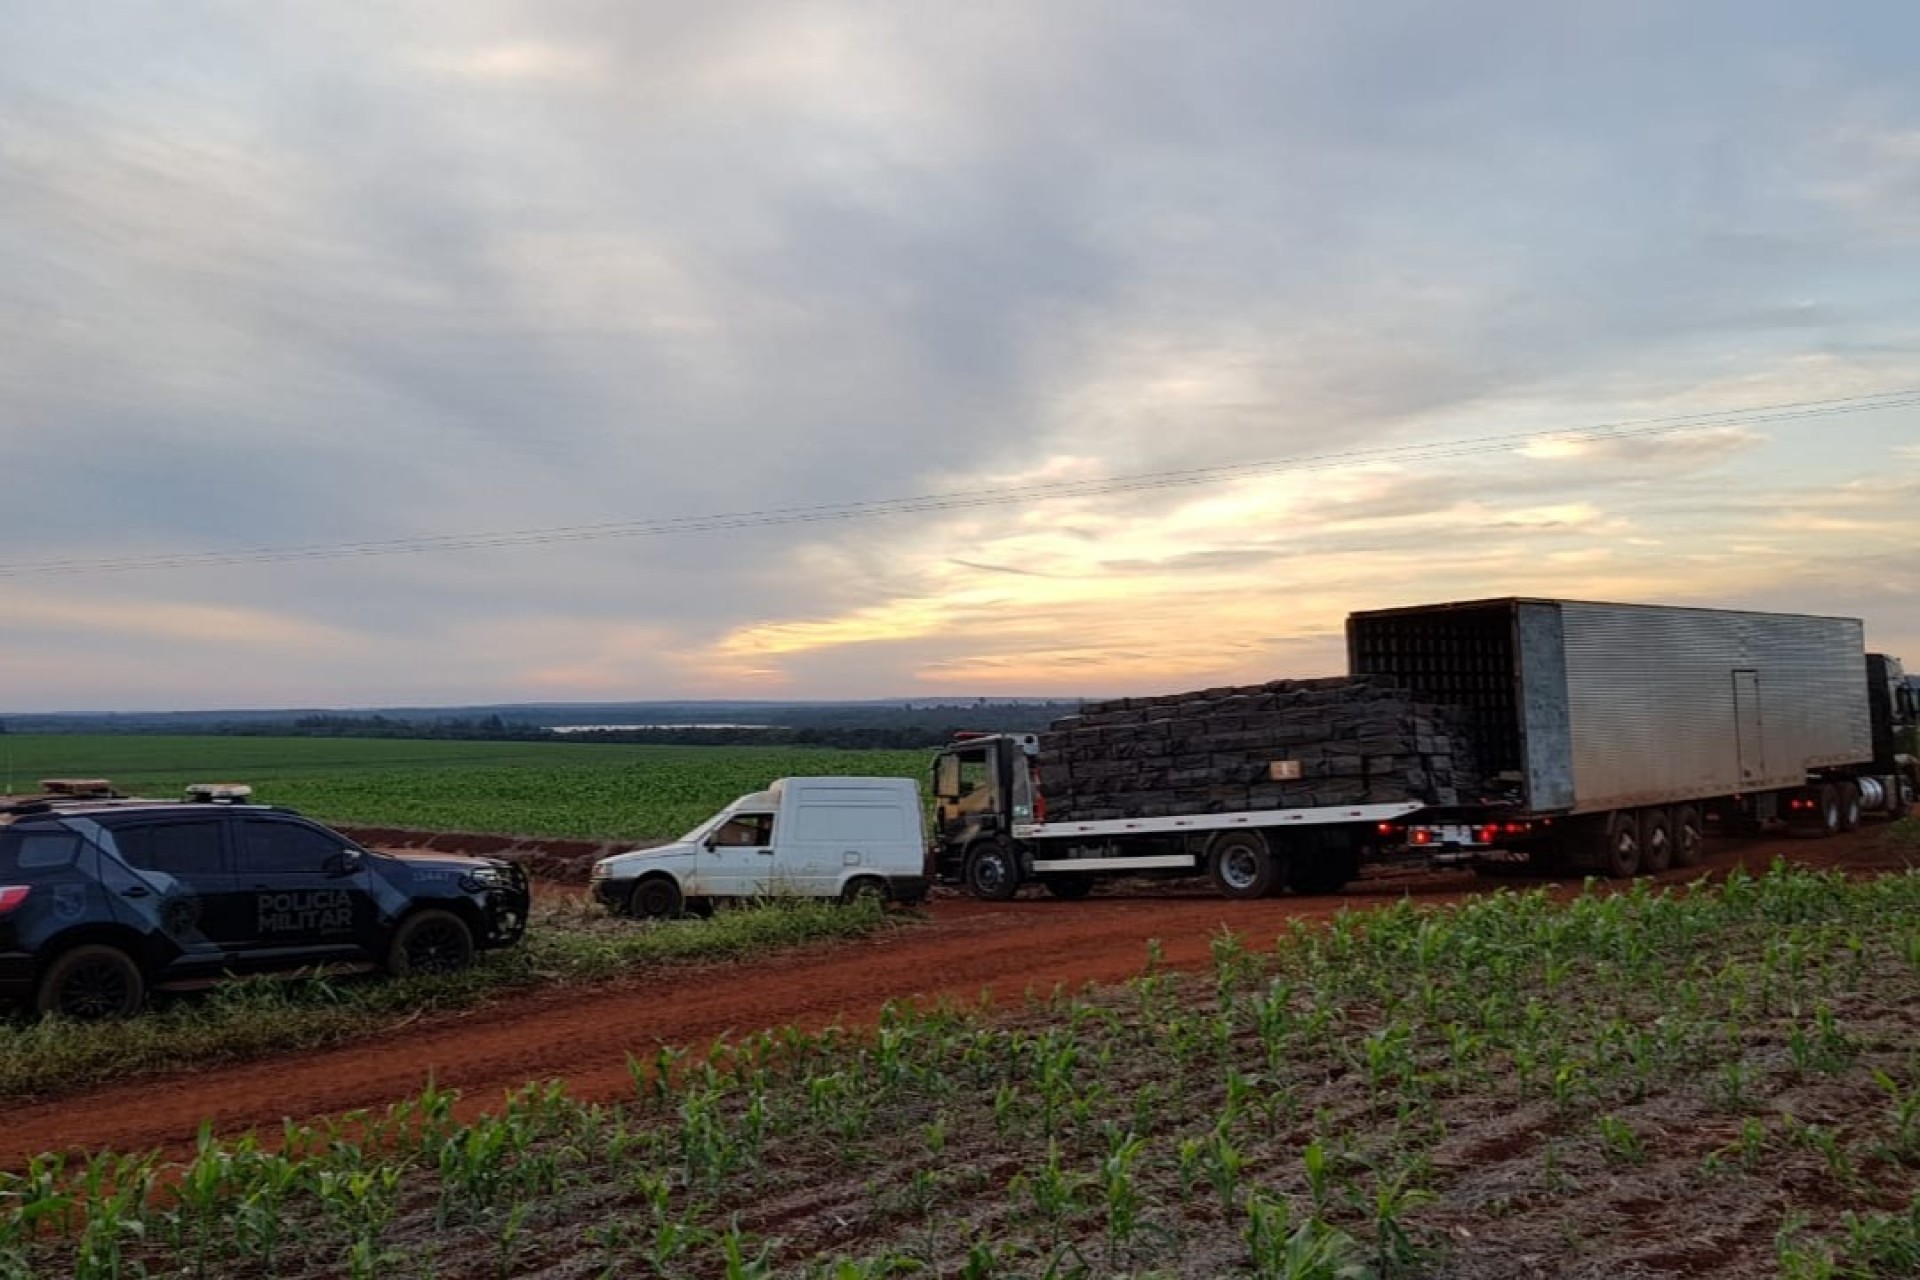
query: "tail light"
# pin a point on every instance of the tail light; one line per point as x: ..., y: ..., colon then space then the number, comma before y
x: 11, y: 896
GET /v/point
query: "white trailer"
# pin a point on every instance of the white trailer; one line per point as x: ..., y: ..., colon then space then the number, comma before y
x: 1613, y: 736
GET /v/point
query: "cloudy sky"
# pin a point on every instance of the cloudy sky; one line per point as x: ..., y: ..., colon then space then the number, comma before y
x: 435, y: 353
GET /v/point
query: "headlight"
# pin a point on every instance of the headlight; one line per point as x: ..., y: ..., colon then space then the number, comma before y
x: 483, y: 878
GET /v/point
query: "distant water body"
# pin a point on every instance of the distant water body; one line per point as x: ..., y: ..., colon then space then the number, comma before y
x: 617, y: 728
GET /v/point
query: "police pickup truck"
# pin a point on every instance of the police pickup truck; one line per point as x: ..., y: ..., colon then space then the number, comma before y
x: 103, y: 896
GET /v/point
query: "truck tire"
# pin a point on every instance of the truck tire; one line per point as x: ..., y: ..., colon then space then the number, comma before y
x: 91, y: 984
x: 1243, y: 866
x: 1849, y: 796
x: 993, y: 871
x: 1620, y: 851
x: 1656, y: 841
x: 430, y: 941
x: 1689, y: 836
x: 1828, y: 821
x: 655, y: 898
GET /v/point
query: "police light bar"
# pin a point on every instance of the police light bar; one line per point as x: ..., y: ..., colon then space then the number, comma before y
x: 218, y: 792
x: 76, y: 786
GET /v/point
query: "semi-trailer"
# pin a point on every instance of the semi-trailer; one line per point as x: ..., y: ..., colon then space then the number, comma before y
x: 1605, y: 736
x: 1612, y: 737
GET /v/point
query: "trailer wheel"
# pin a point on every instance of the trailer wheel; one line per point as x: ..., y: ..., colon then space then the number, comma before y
x: 1689, y: 837
x: 1070, y: 886
x: 1828, y: 823
x: 1243, y: 866
x: 1620, y: 855
x: 1849, y: 805
x: 1656, y: 841
x: 993, y: 872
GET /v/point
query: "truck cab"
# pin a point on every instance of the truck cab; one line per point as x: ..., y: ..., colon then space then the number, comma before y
x: 982, y: 786
x: 1892, y: 709
x: 1893, y: 712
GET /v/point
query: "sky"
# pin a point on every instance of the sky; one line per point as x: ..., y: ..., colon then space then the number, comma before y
x: 426, y: 353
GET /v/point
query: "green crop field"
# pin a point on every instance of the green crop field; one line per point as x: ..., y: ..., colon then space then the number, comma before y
x: 567, y: 790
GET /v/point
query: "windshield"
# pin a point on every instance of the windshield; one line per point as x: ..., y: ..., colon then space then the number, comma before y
x: 700, y: 832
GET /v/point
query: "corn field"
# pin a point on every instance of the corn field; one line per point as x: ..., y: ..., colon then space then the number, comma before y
x: 1711, y: 1080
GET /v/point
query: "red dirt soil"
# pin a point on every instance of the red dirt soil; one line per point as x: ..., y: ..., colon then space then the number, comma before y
x: 585, y: 1035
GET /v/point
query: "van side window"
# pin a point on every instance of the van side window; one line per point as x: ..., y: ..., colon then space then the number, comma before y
x: 746, y: 830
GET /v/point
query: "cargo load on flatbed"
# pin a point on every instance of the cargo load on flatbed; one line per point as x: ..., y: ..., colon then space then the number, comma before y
x: 1283, y: 744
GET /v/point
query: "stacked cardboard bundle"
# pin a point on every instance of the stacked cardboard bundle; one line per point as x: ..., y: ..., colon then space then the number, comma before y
x: 1286, y: 744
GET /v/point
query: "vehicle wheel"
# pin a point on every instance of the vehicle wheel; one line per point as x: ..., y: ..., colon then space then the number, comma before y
x: 430, y: 941
x: 1620, y: 856
x: 865, y: 889
x: 655, y: 898
x: 1656, y: 841
x: 1243, y: 867
x: 1689, y: 837
x: 92, y: 983
x: 1849, y: 797
x: 993, y: 871
x: 1828, y: 822
x: 1069, y: 885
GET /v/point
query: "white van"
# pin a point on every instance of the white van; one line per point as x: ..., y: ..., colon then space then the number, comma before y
x: 842, y: 838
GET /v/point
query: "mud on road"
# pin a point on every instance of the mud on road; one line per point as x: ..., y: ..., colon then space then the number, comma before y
x: 958, y: 950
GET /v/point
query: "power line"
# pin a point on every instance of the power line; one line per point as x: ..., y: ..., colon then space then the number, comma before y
x: 967, y: 499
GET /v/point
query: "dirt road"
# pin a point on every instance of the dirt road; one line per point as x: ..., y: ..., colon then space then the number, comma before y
x: 585, y: 1035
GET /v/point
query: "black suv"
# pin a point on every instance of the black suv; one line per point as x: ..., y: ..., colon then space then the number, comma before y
x: 102, y: 896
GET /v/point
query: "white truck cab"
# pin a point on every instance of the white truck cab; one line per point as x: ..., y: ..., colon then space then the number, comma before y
x: 841, y: 838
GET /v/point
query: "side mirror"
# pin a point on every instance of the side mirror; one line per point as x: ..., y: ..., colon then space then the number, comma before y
x: 345, y: 862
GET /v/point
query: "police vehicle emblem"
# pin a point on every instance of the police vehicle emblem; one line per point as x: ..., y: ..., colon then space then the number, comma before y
x: 69, y: 901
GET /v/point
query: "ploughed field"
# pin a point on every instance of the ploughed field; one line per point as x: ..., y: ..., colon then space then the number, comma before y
x: 1429, y: 1075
